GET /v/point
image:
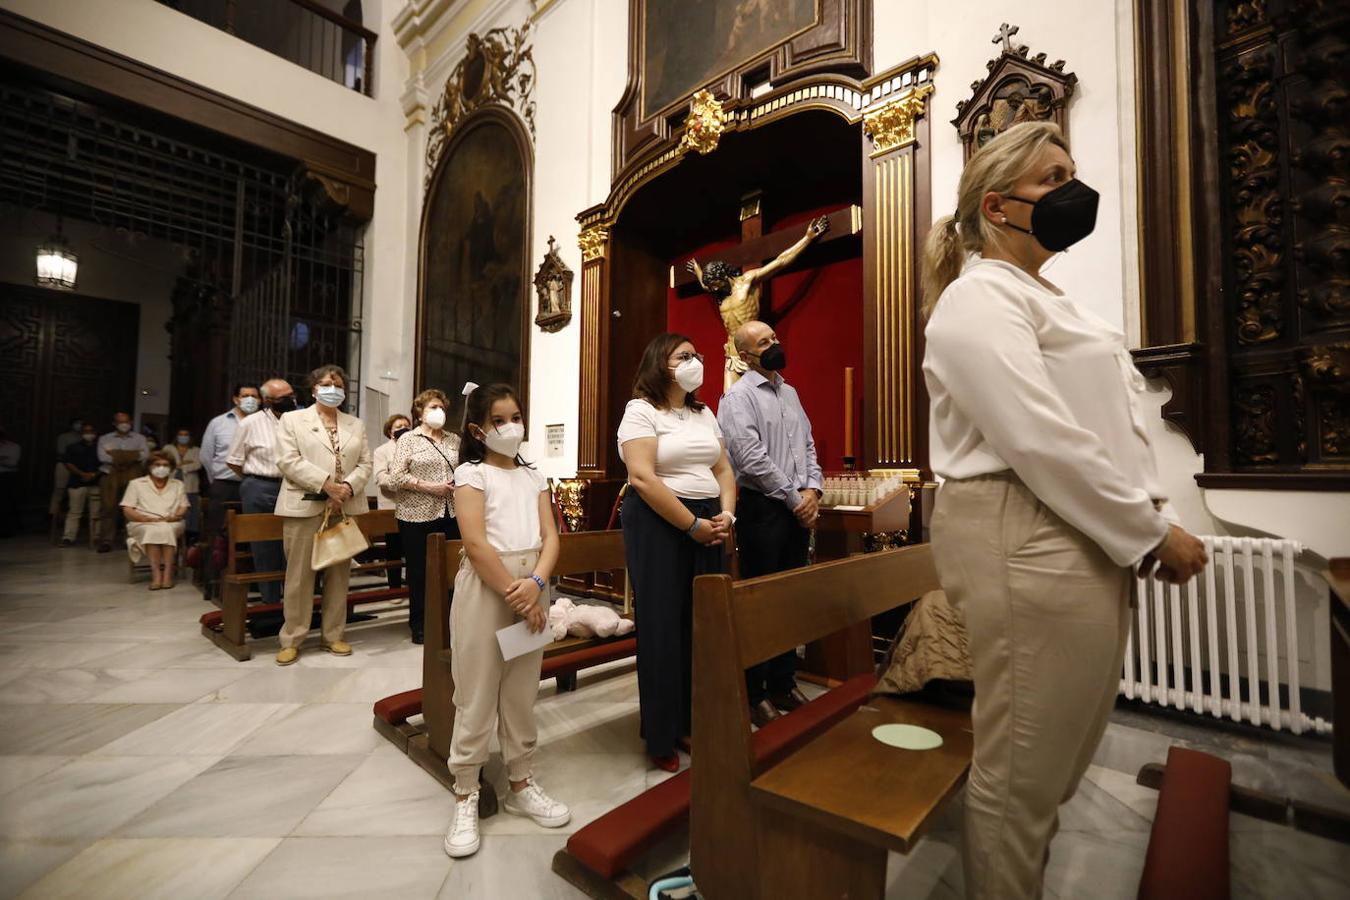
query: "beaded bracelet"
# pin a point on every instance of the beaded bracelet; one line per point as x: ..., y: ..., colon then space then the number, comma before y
x: 539, y: 581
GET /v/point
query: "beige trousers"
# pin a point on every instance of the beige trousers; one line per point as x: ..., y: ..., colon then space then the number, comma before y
x: 488, y: 690
x: 78, y: 496
x: 1048, y: 613
x: 297, y: 540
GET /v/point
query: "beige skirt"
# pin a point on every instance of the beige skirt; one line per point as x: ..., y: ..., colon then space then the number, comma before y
x: 142, y: 534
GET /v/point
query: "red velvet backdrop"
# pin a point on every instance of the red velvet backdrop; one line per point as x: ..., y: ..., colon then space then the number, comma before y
x: 822, y: 334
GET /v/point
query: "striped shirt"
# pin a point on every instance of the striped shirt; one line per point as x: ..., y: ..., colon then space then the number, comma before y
x: 254, y: 448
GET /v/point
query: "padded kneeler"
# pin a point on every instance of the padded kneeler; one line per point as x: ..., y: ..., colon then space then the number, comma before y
x: 1188, y: 844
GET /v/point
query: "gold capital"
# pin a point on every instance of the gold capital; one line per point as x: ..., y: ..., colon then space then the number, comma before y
x: 891, y: 125
x: 593, y: 243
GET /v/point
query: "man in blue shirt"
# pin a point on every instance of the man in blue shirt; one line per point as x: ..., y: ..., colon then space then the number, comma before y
x: 769, y: 443
x: 216, y: 440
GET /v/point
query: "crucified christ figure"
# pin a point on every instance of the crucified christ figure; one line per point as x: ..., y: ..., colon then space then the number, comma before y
x: 737, y: 293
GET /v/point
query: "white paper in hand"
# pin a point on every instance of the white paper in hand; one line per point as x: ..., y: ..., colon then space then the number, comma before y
x: 517, y: 640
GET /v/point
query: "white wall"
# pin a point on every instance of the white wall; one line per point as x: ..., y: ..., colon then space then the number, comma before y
x: 161, y: 37
x: 112, y: 266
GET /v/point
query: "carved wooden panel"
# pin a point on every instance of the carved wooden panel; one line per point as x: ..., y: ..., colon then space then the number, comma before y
x: 1284, y: 158
x: 61, y: 356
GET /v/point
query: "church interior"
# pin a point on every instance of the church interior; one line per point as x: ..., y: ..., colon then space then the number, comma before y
x: 228, y: 225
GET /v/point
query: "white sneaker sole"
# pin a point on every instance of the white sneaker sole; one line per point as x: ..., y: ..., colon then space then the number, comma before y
x: 543, y: 821
x: 460, y: 852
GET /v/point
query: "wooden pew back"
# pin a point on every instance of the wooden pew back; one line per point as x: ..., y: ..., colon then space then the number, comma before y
x: 578, y: 553
x: 739, y: 624
x: 243, y: 529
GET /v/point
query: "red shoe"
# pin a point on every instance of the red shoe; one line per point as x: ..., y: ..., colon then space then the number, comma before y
x: 669, y: 763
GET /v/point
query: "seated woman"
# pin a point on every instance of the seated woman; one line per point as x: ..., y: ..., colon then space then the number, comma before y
x: 154, y: 506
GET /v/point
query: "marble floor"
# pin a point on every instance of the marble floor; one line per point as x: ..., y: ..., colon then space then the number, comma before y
x: 138, y: 761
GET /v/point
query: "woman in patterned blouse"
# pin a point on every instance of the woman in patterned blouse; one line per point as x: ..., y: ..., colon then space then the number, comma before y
x: 422, y: 476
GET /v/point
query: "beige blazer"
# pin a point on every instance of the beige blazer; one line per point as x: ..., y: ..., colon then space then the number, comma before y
x: 305, y: 458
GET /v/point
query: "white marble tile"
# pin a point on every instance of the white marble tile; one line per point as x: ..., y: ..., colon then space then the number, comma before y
x: 1110, y: 862
x: 304, y: 868
x: 932, y: 870
x: 281, y: 684
x: 369, y: 685
x: 17, y: 771
x: 322, y: 728
x: 57, y: 654
x: 387, y: 795
x: 71, y: 729
x: 92, y: 796
x: 590, y: 784
x: 24, y: 862
x: 96, y: 633
x: 159, y: 869
x: 515, y: 865
x: 244, y: 796
x: 1094, y: 809
x: 166, y: 685
x: 1142, y: 801
x: 186, y: 653
x: 197, y: 729
x: 1275, y: 861
x: 583, y: 727
x: 58, y: 686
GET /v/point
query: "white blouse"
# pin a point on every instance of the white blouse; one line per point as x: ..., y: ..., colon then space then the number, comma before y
x: 688, y: 445
x: 1020, y: 378
x: 510, y: 503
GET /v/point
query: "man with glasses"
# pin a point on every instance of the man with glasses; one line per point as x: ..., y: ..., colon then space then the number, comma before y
x: 252, y: 457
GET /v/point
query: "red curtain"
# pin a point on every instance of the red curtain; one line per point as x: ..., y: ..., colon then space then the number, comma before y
x: 822, y: 334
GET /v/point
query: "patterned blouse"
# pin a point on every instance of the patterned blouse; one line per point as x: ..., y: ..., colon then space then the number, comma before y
x: 420, y: 457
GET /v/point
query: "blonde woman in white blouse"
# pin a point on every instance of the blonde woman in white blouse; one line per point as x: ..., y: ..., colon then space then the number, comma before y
x: 422, y: 476
x: 1049, y: 496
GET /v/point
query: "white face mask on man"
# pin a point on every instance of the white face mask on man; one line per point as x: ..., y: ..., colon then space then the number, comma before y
x: 505, y: 439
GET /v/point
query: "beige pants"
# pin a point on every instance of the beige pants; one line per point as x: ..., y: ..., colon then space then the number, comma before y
x: 488, y: 690
x: 78, y: 496
x: 297, y: 540
x: 1048, y: 614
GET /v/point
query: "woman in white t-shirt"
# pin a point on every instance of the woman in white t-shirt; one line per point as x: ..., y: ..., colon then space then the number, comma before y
x: 1049, y: 495
x: 675, y: 522
x: 510, y: 547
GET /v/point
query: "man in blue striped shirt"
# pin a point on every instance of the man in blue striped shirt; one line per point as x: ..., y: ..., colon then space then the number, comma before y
x: 769, y: 443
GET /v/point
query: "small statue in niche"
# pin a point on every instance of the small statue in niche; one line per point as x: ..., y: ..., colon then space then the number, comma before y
x: 553, y: 286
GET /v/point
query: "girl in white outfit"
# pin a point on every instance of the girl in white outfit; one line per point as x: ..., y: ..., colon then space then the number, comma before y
x: 1049, y: 496
x: 510, y: 548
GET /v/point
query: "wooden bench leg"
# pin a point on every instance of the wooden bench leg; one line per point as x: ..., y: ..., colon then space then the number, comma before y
x: 567, y: 681
x: 799, y: 860
x: 234, y: 606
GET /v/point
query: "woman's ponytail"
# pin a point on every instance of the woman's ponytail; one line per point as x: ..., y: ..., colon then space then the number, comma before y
x: 943, y: 257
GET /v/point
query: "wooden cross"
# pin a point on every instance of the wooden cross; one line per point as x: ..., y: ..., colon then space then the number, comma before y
x: 1005, y: 34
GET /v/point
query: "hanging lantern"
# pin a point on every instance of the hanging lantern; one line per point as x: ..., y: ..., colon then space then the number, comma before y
x: 56, y: 264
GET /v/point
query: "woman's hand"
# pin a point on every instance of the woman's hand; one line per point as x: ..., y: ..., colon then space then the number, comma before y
x: 1179, y: 557
x: 337, y: 491
x: 522, y: 596
x: 437, y: 490
x: 536, y: 618
x: 706, y: 533
x: 722, y: 523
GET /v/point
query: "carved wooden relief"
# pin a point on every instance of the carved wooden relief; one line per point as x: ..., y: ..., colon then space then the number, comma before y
x: 1018, y: 88
x: 553, y: 289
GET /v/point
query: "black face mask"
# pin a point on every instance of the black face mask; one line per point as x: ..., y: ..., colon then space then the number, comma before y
x: 1062, y: 217
x: 774, y: 358
x: 283, y: 405
x: 400, y: 432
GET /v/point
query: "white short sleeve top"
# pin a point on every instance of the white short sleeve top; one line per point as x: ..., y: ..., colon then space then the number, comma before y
x: 688, y: 445
x: 510, y: 503
x: 1022, y: 378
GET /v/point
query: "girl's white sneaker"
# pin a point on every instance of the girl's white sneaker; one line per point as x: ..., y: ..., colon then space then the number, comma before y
x: 535, y: 804
x: 462, y: 838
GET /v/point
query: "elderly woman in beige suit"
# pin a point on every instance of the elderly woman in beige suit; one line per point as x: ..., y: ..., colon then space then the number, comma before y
x: 325, y: 463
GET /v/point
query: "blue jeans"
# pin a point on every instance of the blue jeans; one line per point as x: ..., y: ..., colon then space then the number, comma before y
x: 259, y: 495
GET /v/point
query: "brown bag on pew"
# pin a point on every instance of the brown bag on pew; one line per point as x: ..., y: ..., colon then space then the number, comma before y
x: 337, y: 543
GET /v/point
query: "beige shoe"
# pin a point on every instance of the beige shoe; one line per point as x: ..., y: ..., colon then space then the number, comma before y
x: 339, y: 648
x: 288, y: 655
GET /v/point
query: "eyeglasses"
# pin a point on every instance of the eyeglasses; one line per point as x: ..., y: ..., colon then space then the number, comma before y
x: 686, y: 356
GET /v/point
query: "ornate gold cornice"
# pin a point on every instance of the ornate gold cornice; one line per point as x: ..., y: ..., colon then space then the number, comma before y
x: 891, y: 125
x: 705, y: 124
x: 593, y: 242
x: 497, y: 69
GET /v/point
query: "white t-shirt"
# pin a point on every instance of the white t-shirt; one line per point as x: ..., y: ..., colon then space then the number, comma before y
x: 510, y: 503
x: 1021, y: 378
x: 688, y: 445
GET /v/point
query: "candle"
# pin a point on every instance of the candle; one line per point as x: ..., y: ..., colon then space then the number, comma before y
x: 848, y: 411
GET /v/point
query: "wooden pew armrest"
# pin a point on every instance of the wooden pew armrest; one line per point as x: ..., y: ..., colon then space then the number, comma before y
x: 847, y: 781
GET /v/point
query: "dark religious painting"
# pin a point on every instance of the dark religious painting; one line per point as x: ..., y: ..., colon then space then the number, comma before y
x: 474, y: 266
x: 688, y: 43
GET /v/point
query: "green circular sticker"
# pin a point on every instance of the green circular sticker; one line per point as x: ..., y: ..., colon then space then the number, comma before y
x: 907, y: 737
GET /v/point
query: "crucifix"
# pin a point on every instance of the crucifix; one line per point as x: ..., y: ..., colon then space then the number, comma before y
x: 736, y: 278
x: 1005, y: 34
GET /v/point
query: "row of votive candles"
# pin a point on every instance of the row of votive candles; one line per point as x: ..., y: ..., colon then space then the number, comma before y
x: 859, y: 490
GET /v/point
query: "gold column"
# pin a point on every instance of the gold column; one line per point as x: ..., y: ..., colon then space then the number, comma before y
x: 594, y: 243
x: 890, y: 264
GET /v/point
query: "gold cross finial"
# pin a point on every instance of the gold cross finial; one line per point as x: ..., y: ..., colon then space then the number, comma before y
x: 1005, y: 33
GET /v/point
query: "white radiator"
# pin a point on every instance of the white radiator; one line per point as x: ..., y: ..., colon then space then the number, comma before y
x: 1186, y: 640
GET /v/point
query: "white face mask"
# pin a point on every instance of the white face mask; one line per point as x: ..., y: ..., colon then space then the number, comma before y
x: 330, y: 395
x: 689, y: 375
x: 505, y: 439
x: 434, y: 418
x: 123, y: 427
x: 249, y: 405
x: 160, y: 471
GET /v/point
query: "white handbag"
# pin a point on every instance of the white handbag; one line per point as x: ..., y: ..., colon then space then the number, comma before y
x: 337, y: 543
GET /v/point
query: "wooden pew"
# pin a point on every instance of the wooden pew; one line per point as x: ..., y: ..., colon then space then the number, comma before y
x: 819, y: 822
x: 580, y: 552
x: 226, y: 627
